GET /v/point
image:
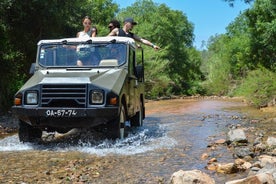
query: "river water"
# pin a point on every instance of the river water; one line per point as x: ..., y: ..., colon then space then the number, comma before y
x: 174, y: 136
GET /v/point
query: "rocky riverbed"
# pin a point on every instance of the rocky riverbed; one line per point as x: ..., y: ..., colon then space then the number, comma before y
x: 214, y: 140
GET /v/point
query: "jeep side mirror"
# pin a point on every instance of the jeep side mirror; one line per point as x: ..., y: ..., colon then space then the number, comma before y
x: 32, y: 69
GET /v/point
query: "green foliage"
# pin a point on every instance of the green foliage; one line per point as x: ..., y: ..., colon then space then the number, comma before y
x: 217, y: 66
x: 24, y: 23
x: 242, y: 61
x: 218, y: 80
x: 157, y: 82
x: 171, y: 30
x: 262, y: 27
x: 259, y: 87
x: 11, y: 79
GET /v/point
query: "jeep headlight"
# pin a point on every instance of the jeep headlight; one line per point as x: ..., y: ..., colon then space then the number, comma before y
x: 96, y: 97
x: 31, y: 97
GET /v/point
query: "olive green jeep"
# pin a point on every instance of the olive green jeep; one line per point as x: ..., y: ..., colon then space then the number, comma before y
x: 82, y: 83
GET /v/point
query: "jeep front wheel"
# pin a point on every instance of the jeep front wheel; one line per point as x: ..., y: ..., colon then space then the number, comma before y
x: 27, y: 133
x: 137, y: 120
x: 117, y: 129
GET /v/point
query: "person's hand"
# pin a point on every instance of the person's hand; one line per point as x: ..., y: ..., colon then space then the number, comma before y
x: 155, y: 47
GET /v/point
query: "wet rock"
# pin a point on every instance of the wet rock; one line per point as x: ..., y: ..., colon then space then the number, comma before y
x: 220, y: 141
x: 228, y: 168
x: 267, y: 160
x: 248, y: 158
x: 258, y: 140
x: 239, y: 161
x: 241, y: 152
x: 212, y: 160
x: 191, y: 177
x: 259, y: 148
x: 266, y: 164
x: 257, y: 164
x: 242, y: 164
x: 271, y: 141
x: 212, y: 167
x: 204, y: 156
x: 273, y: 152
x: 236, y: 136
x: 263, y: 178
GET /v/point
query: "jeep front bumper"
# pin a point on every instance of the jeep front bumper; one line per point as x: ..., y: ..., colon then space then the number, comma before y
x: 66, y: 117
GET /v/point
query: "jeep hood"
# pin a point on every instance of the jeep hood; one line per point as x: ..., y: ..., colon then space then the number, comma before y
x: 111, y: 79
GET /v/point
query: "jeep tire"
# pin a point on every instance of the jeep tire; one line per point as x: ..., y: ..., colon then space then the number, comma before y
x: 27, y: 133
x: 137, y: 120
x: 117, y: 127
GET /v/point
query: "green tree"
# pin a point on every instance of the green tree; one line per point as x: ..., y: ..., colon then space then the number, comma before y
x: 242, y: 61
x: 24, y: 23
x: 171, y: 30
x: 10, y: 79
x: 217, y: 68
x: 262, y: 27
x: 239, y: 46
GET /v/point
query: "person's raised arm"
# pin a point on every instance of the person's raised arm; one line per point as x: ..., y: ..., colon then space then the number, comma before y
x: 146, y: 42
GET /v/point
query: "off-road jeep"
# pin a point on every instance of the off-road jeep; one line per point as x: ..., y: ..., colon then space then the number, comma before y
x: 82, y: 83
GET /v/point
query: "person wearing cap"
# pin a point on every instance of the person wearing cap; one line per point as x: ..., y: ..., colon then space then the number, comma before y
x: 129, y: 23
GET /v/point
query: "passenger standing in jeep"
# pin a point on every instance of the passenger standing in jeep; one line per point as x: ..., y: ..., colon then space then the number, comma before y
x: 114, y: 24
x: 129, y: 23
x: 88, y: 31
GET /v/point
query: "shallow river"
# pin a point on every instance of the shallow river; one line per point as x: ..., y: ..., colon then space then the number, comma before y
x: 174, y: 136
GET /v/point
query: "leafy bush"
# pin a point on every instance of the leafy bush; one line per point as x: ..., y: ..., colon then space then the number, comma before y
x: 157, y: 80
x: 218, y: 79
x: 259, y: 87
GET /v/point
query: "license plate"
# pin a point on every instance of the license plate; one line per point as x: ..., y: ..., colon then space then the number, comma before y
x: 61, y: 113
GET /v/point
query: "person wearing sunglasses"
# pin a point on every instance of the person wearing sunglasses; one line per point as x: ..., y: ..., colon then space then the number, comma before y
x: 114, y: 24
x: 129, y: 23
x: 88, y: 30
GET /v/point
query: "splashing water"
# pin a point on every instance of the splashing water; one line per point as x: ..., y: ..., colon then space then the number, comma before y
x: 140, y: 141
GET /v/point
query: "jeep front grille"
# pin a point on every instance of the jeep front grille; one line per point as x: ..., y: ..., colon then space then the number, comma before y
x: 69, y: 95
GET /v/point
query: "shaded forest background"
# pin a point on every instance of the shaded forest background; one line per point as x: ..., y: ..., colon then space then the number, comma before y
x: 241, y: 62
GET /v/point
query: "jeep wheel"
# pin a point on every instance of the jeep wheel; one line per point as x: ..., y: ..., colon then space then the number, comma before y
x: 117, y: 129
x: 27, y: 133
x: 137, y: 120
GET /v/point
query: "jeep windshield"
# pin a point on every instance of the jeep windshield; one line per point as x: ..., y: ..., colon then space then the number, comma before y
x: 82, y: 54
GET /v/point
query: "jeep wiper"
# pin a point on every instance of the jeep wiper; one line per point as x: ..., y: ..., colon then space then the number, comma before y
x: 113, y: 41
x: 64, y: 42
x: 78, y: 68
x: 89, y: 42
